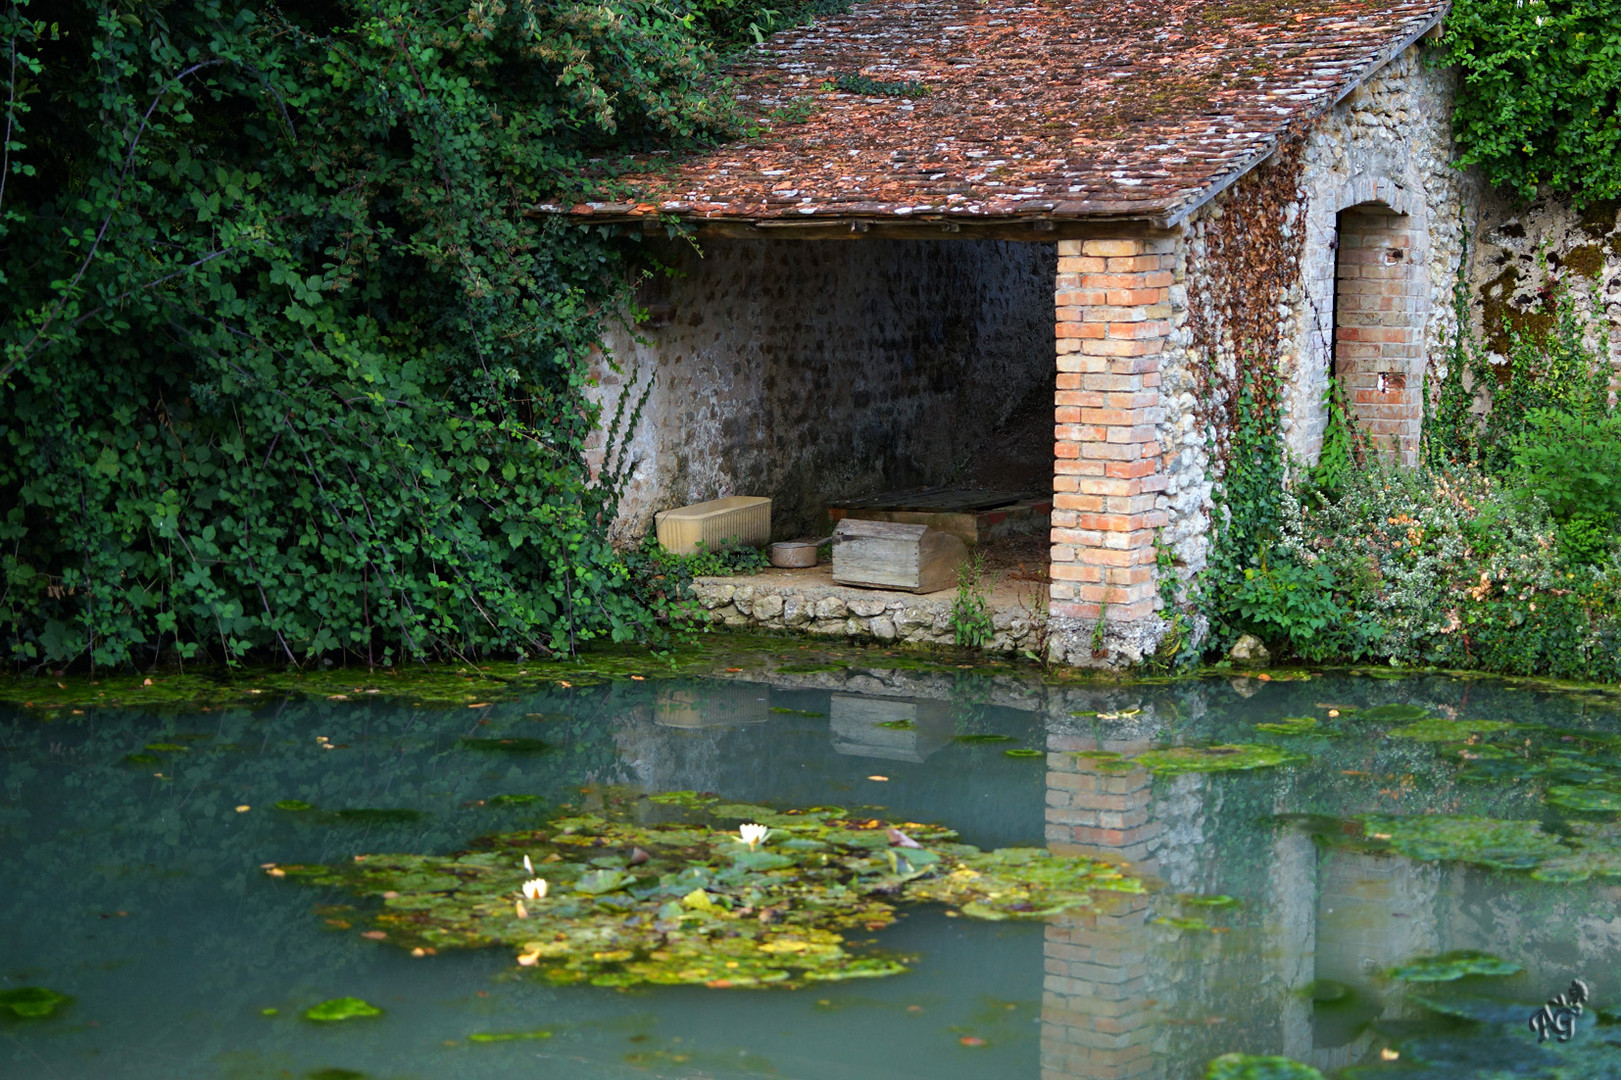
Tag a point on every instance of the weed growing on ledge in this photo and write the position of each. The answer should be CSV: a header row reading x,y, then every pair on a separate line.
x,y
971,610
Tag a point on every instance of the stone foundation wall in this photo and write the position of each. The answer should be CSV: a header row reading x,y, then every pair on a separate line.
x,y
841,611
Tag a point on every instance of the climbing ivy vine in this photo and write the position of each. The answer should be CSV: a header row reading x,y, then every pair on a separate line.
x,y
286,366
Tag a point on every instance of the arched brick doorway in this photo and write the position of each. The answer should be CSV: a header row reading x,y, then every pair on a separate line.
x,y
1380,307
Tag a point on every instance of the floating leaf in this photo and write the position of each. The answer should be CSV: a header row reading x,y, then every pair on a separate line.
x,y
601,882
507,746
1453,965
294,805
1292,725
897,725
344,1008
1503,845
1023,752
379,816
507,1036
1225,758
1251,1067
1392,714
975,739
1584,798
1329,992
1434,729
512,800
688,799
33,1002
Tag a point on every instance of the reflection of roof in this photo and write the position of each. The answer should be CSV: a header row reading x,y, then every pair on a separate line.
x,y
1061,108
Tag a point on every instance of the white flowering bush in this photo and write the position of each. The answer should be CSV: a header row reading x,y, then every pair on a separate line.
x,y
1458,570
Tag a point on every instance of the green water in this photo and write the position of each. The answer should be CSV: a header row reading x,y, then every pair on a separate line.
x,y
135,886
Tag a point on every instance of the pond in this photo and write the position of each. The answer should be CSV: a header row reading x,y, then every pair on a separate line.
x,y
1353,825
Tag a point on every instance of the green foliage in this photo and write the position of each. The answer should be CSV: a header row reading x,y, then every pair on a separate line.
x,y
286,366
1284,601
1572,463
970,609
1342,449
661,581
1539,108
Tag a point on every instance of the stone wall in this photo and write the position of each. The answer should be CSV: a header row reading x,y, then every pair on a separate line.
x,y
808,370
1521,255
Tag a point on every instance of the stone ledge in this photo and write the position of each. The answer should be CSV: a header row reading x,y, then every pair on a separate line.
x,y
808,602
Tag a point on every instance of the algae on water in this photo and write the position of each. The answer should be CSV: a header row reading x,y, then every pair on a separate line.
x,y
1452,966
687,902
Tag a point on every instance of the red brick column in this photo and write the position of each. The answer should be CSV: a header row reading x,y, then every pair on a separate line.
x,y
1113,318
1379,329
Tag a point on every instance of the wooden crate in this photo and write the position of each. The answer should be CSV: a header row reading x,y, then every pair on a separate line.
x,y
745,519
890,555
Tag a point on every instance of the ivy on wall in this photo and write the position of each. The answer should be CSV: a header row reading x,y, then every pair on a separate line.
x,y
285,368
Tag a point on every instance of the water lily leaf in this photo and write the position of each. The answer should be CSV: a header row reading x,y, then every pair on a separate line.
x,y
379,816
1225,758
344,1008
1453,965
687,799
142,759
1292,725
1479,1009
1183,923
897,725
1023,752
1503,845
1251,1067
507,746
294,805
507,1036
983,738
1393,714
1584,798
33,1002
1329,992
1435,729
167,747
761,860
513,800
600,882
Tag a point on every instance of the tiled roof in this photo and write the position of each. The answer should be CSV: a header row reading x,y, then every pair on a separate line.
x,y
1057,108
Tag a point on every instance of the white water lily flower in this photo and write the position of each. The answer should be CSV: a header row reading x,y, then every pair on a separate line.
x,y
535,888
528,867
753,834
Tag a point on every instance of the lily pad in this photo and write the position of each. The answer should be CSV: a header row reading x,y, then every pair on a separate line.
x,y
898,725
388,815
1435,729
513,800
33,1002
294,805
1453,965
1292,725
507,1036
1025,752
1587,799
975,739
702,908
142,759
1252,1067
1500,844
507,746
1225,758
688,799
344,1008
1393,714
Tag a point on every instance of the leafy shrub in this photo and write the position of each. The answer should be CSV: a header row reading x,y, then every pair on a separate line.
x,y
1459,570
1284,601
285,366
661,581
1542,79
1572,463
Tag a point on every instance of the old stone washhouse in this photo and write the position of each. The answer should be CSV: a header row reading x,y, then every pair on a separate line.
x,y
962,207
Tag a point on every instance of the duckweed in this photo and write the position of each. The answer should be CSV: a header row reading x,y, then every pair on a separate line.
x,y
703,908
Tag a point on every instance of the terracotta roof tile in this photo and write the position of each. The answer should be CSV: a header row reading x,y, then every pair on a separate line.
x,y
1062,108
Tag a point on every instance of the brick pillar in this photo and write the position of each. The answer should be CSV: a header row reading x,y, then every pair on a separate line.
x,y
1098,998
1378,329
1113,311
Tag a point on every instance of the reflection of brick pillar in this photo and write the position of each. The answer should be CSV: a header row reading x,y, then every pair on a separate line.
x,y
1113,316
1378,329
1096,1006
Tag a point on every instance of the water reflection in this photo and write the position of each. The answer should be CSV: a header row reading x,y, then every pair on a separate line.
x,y
1296,966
